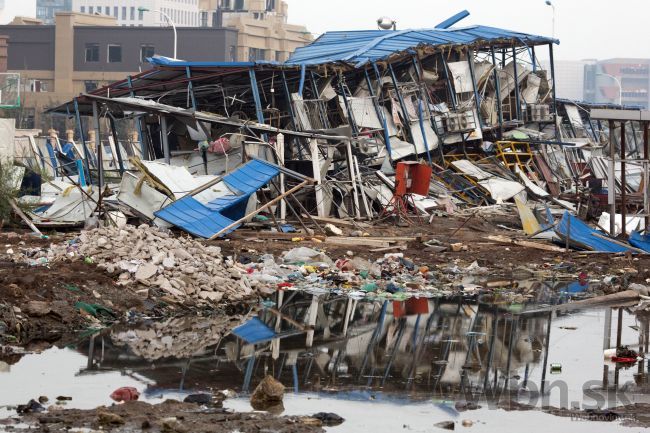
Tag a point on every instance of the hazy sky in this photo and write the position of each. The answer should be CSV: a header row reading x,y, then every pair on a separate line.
x,y
586,29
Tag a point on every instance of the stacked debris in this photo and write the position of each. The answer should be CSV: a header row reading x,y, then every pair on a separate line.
x,y
180,338
181,267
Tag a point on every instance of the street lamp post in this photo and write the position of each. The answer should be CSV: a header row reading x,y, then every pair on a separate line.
x,y
549,3
618,82
169,20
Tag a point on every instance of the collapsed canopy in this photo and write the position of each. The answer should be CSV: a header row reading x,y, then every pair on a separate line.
x,y
362,46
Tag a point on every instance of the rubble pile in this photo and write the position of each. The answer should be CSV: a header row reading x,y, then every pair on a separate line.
x,y
179,266
180,338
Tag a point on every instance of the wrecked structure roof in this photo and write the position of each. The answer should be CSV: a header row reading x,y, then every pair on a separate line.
x,y
363,46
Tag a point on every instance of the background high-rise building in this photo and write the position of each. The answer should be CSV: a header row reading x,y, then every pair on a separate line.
x,y
47,9
264,31
82,52
262,25
184,13
632,74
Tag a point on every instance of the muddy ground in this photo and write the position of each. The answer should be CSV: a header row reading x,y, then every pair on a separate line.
x,y
170,416
499,258
174,416
39,304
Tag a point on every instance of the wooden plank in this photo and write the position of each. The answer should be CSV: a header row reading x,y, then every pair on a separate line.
x,y
362,242
526,244
22,216
338,222
260,209
384,249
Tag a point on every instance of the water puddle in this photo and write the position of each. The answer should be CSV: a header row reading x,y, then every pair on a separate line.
x,y
384,365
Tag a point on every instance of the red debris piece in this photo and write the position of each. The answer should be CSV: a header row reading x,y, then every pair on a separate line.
x,y
125,393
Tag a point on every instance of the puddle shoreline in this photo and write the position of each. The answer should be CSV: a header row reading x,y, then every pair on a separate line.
x,y
332,352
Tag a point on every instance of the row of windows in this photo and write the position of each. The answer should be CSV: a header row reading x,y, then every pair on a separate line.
x,y
106,10
238,5
114,53
255,54
188,18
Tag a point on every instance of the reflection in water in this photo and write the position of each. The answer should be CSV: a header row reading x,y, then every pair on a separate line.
x,y
418,348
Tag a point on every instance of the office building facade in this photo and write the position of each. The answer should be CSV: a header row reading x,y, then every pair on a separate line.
x,y
262,25
46,10
83,52
624,80
183,13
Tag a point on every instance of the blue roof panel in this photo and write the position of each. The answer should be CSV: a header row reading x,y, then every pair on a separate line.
x,y
206,220
254,331
362,46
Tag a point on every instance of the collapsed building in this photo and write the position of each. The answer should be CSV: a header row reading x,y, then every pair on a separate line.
x,y
323,134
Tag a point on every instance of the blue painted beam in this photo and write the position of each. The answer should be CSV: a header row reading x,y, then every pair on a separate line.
x,y
453,20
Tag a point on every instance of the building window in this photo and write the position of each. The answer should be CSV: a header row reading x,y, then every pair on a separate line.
x,y
233,53
116,11
107,10
132,15
92,53
270,5
123,12
140,14
91,10
278,56
255,54
36,86
114,53
82,9
239,5
225,4
146,51
90,86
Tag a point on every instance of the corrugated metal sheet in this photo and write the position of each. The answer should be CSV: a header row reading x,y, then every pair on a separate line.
x,y
194,217
254,331
582,236
363,46
167,61
206,220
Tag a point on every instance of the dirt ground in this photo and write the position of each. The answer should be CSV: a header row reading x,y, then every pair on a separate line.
x,y
39,304
170,416
499,258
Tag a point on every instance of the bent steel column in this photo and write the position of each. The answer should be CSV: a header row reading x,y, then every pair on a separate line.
x,y
83,141
518,102
348,108
552,66
611,180
138,123
477,97
118,151
623,182
190,87
497,86
98,144
380,114
165,139
400,98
